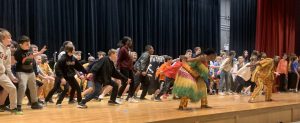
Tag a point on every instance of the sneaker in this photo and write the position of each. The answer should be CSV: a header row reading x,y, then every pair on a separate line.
x,y
4,108
110,102
222,94
132,100
36,105
119,100
142,98
41,101
81,105
51,101
58,105
16,112
72,102
157,99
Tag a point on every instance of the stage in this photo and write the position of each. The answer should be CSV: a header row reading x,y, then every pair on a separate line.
x,y
229,109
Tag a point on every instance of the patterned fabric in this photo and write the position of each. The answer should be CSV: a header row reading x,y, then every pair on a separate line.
x,y
189,81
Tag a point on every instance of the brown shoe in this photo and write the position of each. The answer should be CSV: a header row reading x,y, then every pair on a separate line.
x,y
251,100
205,106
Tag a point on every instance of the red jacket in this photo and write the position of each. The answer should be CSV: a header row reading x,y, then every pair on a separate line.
x,y
171,71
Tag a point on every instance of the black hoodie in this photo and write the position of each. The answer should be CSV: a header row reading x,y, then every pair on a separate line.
x,y
66,66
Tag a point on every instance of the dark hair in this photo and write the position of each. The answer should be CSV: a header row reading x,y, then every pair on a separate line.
x,y
101,53
167,58
2,33
14,44
62,48
188,50
294,58
209,51
148,47
231,53
69,48
125,39
182,57
23,39
197,48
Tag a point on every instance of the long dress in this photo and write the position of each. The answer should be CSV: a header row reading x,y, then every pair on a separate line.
x,y
189,81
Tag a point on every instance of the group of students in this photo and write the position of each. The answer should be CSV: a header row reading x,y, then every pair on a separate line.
x,y
24,70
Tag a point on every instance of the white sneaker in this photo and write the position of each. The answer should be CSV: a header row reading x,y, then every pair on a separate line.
x,y
119,100
222,94
132,100
101,97
58,105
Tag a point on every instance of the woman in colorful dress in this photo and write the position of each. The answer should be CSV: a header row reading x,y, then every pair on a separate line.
x,y
190,82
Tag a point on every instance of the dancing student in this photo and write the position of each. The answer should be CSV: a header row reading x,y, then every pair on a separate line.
x,y
141,66
263,76
125,65
102,72
65,70
226,67
25,72
282,70
6,76
190,81
160,73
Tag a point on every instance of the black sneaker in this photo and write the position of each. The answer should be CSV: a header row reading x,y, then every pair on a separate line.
x,y
143,98
4,108
19,107
72,102
110,102
41,101
157,99
51,101
81,105
16,111
36,105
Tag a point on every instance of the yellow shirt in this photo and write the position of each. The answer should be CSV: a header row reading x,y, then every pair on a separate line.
x,y
45,68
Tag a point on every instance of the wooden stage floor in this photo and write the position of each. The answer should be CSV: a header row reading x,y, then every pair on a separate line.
x,y
145,111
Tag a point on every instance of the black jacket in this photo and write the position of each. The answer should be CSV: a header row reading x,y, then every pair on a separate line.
x,y
142,63
104,69
66,66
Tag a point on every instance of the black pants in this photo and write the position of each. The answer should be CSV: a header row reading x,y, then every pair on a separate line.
x,y
165,87
240,84
282,83
292,80
129,74
55,89
74,87
252,84
144,80
97,88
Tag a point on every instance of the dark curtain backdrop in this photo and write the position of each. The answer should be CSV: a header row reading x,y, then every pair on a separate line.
x,y
171,26
297,10
275,27
242,25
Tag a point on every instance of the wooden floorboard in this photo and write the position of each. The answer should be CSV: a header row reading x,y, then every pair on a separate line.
x,y
145,111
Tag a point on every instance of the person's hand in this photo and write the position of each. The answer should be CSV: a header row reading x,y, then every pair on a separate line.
x,y
14,80
144,73
63,81
43,49
128,81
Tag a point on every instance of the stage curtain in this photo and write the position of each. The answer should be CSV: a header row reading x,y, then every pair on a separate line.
x,y
275,26
171,26
242,25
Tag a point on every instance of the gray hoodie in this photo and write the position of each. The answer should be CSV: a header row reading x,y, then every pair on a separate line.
x,y
5,61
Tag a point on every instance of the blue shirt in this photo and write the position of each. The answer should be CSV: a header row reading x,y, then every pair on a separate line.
x,y
294,66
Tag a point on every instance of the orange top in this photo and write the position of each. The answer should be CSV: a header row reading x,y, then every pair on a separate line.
x,y
282,66
160,70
